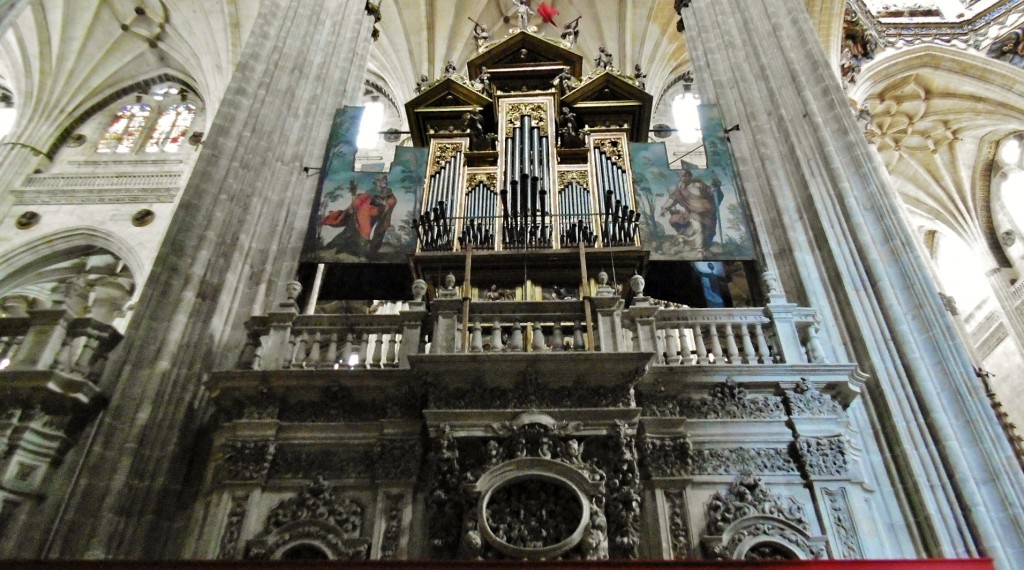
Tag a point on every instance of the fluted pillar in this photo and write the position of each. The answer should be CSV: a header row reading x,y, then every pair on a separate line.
x,y
830,222
231,246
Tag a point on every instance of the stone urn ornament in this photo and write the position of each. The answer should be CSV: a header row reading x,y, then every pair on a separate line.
x,y
636,284
292,290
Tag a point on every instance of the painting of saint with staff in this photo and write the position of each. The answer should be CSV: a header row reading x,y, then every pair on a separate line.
x,y
365,221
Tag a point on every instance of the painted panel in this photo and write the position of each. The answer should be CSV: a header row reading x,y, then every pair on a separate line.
x,y
363,217
691,213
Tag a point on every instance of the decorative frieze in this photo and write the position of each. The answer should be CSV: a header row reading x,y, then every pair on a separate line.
x,y
843,528
302,462
822,456
397,459
807,401
666,457
726,401
246,460
530,392
341,405
733,460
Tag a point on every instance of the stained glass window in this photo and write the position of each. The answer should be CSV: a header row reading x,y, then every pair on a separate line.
x,y
125,129
170,128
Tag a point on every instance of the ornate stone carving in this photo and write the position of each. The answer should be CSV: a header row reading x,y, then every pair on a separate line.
x,y
845,531
666,457
246,460
807,401
530,393
1008,238
319,501
316,514
727,401
822,456
729,461
949,303
304,463
341,405
677,526
444,502
536,111
391,541
749,497
397,459
233,529
784,542
623,495
533,513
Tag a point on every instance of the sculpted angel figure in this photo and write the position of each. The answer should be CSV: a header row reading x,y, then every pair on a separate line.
x,y
522,11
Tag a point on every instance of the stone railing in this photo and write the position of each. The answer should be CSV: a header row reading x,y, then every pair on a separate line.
x,y
159,187
286,340
687,336
508,326
153,180
1017,292
55,340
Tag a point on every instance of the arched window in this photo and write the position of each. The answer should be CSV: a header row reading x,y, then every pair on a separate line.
x,y
169,131
126,127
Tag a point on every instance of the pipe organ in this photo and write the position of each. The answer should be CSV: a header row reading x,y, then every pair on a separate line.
x,y
525,163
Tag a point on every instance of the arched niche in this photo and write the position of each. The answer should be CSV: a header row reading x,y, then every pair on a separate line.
x,y
93,271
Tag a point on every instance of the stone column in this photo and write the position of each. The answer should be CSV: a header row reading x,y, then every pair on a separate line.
x,y
237,231
834,227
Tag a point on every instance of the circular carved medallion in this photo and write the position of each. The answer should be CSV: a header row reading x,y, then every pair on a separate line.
x,y
534,516
27,219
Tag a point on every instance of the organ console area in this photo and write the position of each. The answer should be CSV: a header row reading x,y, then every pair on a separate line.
x,y
528,156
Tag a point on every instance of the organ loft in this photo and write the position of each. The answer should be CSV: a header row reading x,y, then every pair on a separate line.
x,y
534,400
541,330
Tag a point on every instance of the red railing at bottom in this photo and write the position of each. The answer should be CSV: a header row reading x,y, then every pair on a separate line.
x,y
934,564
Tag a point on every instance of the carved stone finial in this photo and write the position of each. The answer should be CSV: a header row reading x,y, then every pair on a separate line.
x,y
292,290
636,284
603,288
448,289
419,290
949,303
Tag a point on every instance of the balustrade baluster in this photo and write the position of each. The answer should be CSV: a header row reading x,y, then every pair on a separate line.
x,y
557,338
698,339
257,357
764,355
346,350
332,351
363,356
496,344
577,337
716,343
538,344
476,340
392,355
730,345
815,353
684,345
515,343
376,352
672,347
248,355
749,356
313,360
61,360
83,363
293,349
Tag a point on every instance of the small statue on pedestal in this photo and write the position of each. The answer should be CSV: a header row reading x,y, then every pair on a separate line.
x,y
480,33
603,59
522,11
571,32
449,68
483,81
422,83
568,129
639,76
565,82
448,289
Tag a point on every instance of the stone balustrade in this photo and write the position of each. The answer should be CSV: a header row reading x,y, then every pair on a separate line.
x,y
56,340
286,340
776,334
